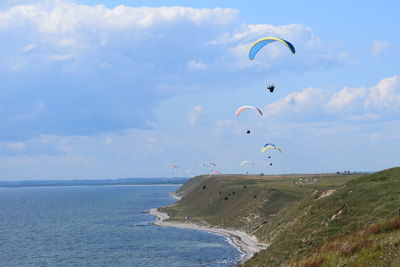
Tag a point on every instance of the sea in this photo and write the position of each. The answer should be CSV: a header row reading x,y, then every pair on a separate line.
x,y
100,226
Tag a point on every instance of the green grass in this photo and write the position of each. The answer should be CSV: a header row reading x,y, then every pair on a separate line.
x,y
376,245
357,204
298,220
244,202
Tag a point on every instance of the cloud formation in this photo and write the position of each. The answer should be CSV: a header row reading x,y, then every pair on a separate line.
x,y
379,101
345,99
385,95
75,69
299,103
311,51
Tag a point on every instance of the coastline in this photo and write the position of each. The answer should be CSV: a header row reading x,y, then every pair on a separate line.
x,y
246,244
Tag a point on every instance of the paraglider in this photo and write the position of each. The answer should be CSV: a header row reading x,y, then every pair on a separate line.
x,y
173,167
271,87
246,162
214,173
267,146
243,108
260,43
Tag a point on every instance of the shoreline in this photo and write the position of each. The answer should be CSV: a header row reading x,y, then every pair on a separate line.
x,y
246,244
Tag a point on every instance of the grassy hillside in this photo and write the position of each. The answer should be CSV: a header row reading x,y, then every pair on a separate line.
x,y
376,245
312,220
245,201
357,204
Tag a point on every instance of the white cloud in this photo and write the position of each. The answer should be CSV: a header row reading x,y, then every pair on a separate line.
x,y
65,30
345,98
194,114
297,103
195,65
378,46
354,104
131,59
63,17
385,95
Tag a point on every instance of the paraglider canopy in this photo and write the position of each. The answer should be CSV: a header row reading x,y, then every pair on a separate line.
x,y
260,43
246,162
267,146
243,108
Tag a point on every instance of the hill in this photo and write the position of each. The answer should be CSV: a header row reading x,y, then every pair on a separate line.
x,y
294,215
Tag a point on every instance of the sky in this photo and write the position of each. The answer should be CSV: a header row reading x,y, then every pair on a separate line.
x,y
112,89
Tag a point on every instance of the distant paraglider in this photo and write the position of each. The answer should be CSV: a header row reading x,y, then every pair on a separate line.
x,y
269,146
246,162
173,167
271,87
214,173
260,43
243,108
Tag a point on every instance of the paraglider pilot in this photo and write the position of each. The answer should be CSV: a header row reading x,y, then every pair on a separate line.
x,y
271,87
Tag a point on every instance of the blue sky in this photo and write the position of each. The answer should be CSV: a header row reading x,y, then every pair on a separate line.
x,y
106,89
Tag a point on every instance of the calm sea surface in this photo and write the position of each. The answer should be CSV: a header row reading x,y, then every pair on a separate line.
x,y
100,226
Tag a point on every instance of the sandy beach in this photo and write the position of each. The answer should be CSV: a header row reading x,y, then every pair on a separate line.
x,y
245,243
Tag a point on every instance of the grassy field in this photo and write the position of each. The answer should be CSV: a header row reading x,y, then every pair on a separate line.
x,y
376,245
246,202
297,215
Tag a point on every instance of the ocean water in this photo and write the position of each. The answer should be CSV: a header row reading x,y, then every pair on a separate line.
x,y
100,226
